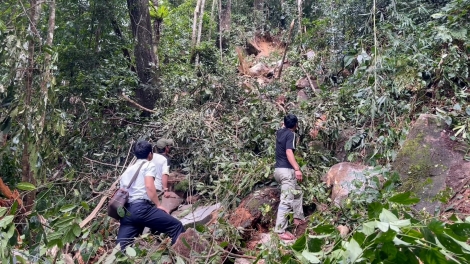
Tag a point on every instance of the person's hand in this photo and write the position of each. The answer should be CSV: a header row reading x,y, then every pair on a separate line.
x,y
163,208
298,175
166,194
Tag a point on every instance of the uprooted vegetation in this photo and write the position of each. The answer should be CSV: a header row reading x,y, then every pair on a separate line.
x,y
356,88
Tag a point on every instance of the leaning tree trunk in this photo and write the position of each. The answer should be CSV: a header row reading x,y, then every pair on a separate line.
x,y
143,52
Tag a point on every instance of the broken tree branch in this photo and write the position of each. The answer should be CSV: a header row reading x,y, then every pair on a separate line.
x,y
308,79
136,104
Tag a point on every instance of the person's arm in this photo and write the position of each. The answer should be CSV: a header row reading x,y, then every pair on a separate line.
x,y
165,185
290,145
293,162
165,173
152,192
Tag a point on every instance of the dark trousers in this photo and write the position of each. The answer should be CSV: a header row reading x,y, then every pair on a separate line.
x,y
145,214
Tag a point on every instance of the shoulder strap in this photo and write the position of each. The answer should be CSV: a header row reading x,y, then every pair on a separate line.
x,y
135,175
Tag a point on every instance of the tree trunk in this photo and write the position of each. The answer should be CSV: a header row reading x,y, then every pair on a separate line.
x,y
144,56
47,62
299,9
225,20
220,27
27,174
199,30
195,18
201,15
212,19
226,13
156,31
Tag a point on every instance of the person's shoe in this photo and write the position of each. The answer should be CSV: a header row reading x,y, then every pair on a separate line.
x,y
286,236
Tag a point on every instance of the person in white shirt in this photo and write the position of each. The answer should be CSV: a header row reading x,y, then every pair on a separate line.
x,y
144,209
162,164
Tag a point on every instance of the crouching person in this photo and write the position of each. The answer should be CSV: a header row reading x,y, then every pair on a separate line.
x,y
144,209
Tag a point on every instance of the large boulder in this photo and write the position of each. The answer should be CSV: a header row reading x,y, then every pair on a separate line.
x,y
344,178
172,202
258,69
429,162
249,213
200,215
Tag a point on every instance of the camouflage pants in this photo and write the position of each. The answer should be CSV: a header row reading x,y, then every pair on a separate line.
x,y
291,198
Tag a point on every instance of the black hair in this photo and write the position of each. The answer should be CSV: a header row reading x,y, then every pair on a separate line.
x,y
290,121
142,149
160,150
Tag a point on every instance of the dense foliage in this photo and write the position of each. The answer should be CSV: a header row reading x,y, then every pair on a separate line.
x,y
67,125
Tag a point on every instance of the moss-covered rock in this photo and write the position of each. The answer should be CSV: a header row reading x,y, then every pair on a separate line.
x,y
427,160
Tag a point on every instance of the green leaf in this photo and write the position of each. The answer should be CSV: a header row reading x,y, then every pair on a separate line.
x,y
359,237
315,244
310,257
67,208
390,250
85,205
300,243
354,250
449,243
374,209
69,236
396,225
369,228
286,258
64,221
387,236
411,257
461,229
387,216
25,186
5,221
404,198
428,235
436,226
55,242
14,207
432,256
121,212
76,229
324,229
223,244
3,211
131,252
467,110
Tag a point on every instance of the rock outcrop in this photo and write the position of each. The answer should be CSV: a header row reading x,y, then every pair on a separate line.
x,y
430,163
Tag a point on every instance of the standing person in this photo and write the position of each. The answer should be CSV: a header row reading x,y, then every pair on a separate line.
x,y
144,209
162,164
287,173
